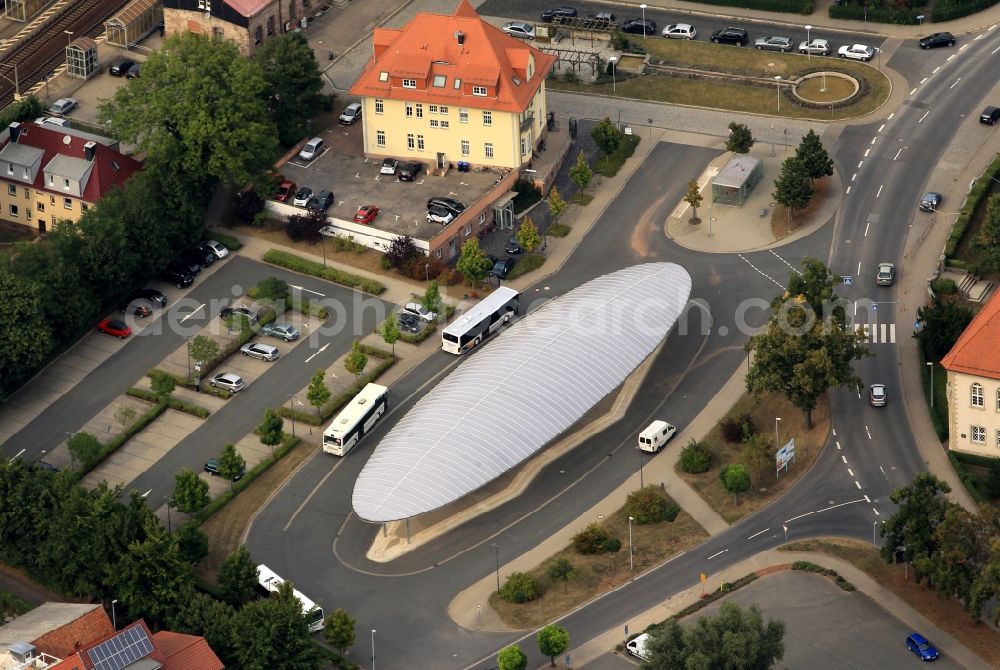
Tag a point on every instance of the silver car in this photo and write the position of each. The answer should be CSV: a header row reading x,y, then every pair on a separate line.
x,y
877,395
774,43
886,274
264,352
285,331
519,29
816,47
63,106
312,149
227,381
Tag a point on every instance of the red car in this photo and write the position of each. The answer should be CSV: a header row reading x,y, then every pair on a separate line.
x,y
366,214
286,190
114,327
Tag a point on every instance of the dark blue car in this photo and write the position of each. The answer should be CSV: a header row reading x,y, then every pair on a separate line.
x,y
922,647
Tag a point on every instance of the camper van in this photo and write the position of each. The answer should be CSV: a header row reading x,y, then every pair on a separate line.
x,y
655,436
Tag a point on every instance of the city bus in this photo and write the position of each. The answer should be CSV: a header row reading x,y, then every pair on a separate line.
x,y
468,330
269,582
356,419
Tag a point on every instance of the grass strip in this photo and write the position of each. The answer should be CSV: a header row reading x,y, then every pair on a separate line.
x,y
295,263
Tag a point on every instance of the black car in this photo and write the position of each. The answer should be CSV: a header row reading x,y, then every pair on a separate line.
x,y
565,12
502,268
990,115
133,72
212,467
453,206
120,67
153,296
409,171
185,265
937,40
639,27
199,256
730,35
513,247
320,202
178,278
409,323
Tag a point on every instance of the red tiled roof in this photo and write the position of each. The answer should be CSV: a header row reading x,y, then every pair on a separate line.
x,y
977,351
249,8
428,46
111,168
186,652
80,660
62,641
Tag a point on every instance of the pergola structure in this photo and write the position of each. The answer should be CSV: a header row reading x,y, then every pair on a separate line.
x,y
573,58
136,20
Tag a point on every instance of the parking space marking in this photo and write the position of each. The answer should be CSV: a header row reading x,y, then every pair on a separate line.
x,y
913,90
848,191
924,80
924,116
897,153
956,83
935,70
881,127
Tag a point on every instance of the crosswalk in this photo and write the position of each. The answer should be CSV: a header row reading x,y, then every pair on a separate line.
x,y
878,333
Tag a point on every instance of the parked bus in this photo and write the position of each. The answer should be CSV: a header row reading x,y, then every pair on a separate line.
x,y
269,582
470,329
356,419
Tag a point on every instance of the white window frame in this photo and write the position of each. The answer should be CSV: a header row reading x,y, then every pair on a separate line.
x,y
434,123
420,142
488,149
479,91
976,396
442,109
410,144
465,147
432,109
409,83
380,138
408,110
463,115
379,106
420,111
978,435
487,118
444,124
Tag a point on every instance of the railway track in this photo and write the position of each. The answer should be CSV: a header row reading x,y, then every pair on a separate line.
x,y
46,49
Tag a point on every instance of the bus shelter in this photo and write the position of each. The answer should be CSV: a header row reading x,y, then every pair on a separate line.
x,y
81,58
736,180
135,21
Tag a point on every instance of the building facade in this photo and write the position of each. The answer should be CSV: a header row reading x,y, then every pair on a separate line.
x,y
449,89
973,366
246,22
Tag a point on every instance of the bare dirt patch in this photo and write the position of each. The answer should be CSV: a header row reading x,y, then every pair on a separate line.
x,y
782,226
764,486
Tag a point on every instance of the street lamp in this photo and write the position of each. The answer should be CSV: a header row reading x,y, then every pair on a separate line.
x,y
114,619
643,8
496,550
777,442
930,364
874,541
613,60
373,649
291,406
808,45
69,37
630,565
642,484
777,79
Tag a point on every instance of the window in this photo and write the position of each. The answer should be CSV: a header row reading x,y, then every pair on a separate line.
x,y
409,83
11,189
458,84
409,109
440,80
438,253
465,147
434,123
487,118
420,111
27,193
979,435
10,168
977,396
479,90
84,207
998,432
444,124
379,105
420,142
52,200
13,211
66,183
432,109
27,213
489,149
217,33
26,173
468,229
40,206
524,147
463,115
52,182
67,203
383,76
205,4
380,138
442,109
258,35
409,141
270,25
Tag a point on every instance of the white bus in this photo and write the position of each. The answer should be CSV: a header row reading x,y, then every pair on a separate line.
x,y
468,330
356,419
269,582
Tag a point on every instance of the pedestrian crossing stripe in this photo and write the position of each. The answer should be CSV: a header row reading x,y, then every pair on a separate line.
x,y
877,333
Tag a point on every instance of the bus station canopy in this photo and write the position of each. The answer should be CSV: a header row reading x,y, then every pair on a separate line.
x,y
524,388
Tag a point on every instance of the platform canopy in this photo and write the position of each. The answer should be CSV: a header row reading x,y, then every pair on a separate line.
x,y
524,388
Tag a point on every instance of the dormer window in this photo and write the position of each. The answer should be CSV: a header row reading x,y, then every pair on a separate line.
x,y
440,80
479,90
458,84
409,83
383,76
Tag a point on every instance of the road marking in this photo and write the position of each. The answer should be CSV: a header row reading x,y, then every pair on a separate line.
x,y
146,494
793,268
857,484
848,192
953,55
962,48
859,268
756,534
837,442
873,140
881,186
935,70
923,80
299,288
860,163
897,153
867,151
761,272
994,51
880,128
854,176
876,512
883,472
867,499
979,37
193,312
866,228
320,483
956,83
794,518
834,431
850,472
924,116
868,434
843,458
717,554
889,118
318,352
14,458
913,90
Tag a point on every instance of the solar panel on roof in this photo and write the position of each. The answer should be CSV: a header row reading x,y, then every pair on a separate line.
x,y
124,649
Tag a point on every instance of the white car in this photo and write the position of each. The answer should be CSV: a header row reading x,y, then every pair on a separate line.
x,y
63,106
637,647
680,31
302,196
389,166
815,47
217,248
519,29
52,121
860,52
419,311
440,215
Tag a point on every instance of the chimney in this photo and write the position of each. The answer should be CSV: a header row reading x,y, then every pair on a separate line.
x,y
15,131
88,150
460,36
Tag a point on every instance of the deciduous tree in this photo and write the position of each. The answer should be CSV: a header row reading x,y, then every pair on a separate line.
x,y
85,448
757,453
274,634
238,577
921,508
190,491
153,576
552,641
527,235
317,394
204,349
561,570
813,157
401,251
293,84
473,262
231,464
25,336
271,429
192,542
556,204
273,290
735,479
355,361
431,299
793,188
693,198
338,629
162,383
390,331
125,415
580,173
740,138
512,657
607,136
942,323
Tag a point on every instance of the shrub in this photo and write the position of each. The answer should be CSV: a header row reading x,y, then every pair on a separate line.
x,y
944,286
306,266
671,511
646,505
612,545
305,228
696,458
520,587
591,539
736,429
246,206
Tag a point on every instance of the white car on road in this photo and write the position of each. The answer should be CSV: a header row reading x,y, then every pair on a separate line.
x,y
860,52
680,31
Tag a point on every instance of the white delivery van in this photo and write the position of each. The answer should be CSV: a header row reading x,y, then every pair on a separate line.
x,y
637,647
655,436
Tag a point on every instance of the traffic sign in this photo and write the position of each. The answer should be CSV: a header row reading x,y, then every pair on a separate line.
x,y
848,280
874,306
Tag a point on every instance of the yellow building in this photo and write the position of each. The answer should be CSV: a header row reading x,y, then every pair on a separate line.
x,y
450,89
973,366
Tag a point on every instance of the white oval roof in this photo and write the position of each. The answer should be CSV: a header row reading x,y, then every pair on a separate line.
x,y
528,385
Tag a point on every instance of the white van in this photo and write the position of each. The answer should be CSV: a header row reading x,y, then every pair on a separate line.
x,y
312,149
655,436
637,647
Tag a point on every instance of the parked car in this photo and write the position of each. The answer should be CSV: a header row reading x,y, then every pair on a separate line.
x,y
264,352
184,265
202,257
502,268
861,52
227,381
930,202
638,646
519,29
639,27
680,31
885,275
566,12
453,206
282,330
816,47
602,17
409,171
513,246
350,114
773,43
921,646
178,278
286,190
212,468
156,298
366,214
730,35
302,196
436,214
135,307
240,310
120,66
876,395
218,248
409,323
990,115
389,166
419,311
63,106
320,202
312,149
114,327
936,40
53,121
134,71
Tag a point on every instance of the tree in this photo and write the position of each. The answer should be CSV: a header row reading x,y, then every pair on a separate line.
x,y
390,331
248,204
125,415
204,349
401,251
201,614
306,227
431,299
942,323
25,337
740,138
556,204
293,84
607,136
85,448
274,634
815,285
317,394
519,587
356,361
561,570
527,235
735,479
190,491
198,110
473,262
153,576
921,507
238,577
987,242
646,505
757,453
271,429
987,584
793,188
813,157
162,383
338,629
512,657
580,173
274,291
552,641
962,553
192,543
734,638
231,464
693,198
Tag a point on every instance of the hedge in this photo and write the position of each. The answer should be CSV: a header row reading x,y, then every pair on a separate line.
x,y
975,459
806,566
788,6
306,307
116,442
305,266
172,403
228,241
977,194
957,11
967,482
905,16
183,381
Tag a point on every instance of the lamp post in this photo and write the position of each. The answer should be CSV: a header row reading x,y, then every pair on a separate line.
x,y
777,442
613,60
373,649
496,550
69,37
777,79
114,619
642,484
808,45
630,564
874,541
170,526
643,8
772,140
930,364
291,406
